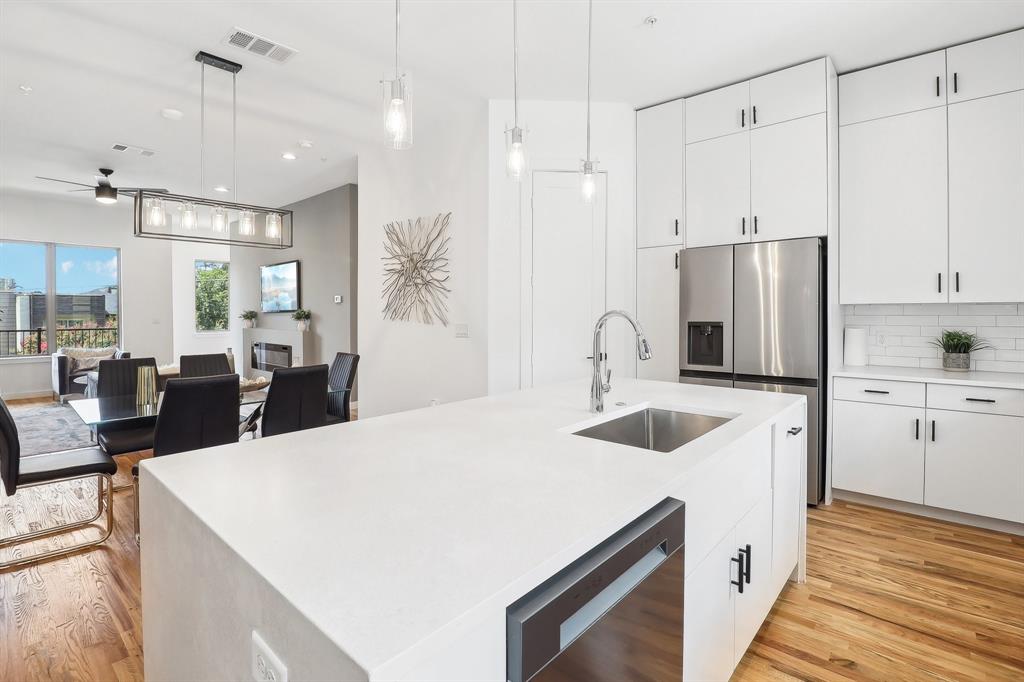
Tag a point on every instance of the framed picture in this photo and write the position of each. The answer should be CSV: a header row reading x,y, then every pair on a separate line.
x,y
279,287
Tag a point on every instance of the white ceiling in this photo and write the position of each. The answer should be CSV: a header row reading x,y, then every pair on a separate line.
x,y
102,71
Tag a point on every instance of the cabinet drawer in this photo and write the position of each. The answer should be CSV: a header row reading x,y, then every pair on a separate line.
x,y
883,392
1006,401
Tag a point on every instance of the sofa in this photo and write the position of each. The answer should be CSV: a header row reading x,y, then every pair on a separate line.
x,y
68,364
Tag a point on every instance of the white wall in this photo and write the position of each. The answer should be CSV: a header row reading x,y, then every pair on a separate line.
x,y
405,365
556,140
188,341
146,314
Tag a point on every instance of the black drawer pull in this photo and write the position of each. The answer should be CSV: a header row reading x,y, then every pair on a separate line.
x,y
754,112
677,260
749,560
795,430
739,574
933,430
940,282
917,429
874,390
743,118
677,227
743,224
980,400
958,282
755,224
955,86
937,86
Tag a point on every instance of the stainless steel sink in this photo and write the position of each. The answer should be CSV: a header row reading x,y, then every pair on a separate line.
x,y
654,429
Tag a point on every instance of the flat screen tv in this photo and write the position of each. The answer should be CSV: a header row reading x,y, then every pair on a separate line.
x,y
279,287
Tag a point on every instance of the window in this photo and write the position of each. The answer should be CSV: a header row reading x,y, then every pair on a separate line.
x,y
212,298
57,296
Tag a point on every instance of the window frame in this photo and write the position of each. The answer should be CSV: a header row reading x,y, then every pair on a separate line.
x,y
195,286
50,261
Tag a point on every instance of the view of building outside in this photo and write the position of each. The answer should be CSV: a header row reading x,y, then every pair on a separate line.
x,y
84,303
212,300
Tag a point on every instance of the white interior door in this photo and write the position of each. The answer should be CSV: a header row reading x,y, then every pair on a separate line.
x,y
568,293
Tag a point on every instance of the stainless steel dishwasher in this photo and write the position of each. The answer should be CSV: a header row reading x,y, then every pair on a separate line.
x,y
615,614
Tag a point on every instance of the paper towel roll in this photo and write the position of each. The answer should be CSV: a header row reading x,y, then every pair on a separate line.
x,y
855,346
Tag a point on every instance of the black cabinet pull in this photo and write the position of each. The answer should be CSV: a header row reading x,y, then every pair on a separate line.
x,y
748,561
743,118
955,88
957,283
937,86
677,227
754,112
743,223
755,224
739,573
917,429
795,430
940,282
677,260
933,430
875,390
980,400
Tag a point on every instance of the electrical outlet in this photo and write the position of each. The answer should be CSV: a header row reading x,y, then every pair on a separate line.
x,y
338,299
266,666
461,331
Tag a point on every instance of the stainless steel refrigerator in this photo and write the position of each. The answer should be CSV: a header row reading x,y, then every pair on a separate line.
x,y
752,316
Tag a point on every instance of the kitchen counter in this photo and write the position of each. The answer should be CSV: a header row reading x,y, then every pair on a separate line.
x,y
386,533
934,376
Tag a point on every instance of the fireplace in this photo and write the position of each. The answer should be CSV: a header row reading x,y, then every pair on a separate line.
x,y
270,356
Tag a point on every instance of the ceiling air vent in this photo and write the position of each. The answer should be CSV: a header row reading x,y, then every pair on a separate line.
x,y
259,45
141,151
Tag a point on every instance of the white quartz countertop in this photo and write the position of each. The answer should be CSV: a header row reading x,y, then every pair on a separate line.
x,y
935,376
383,531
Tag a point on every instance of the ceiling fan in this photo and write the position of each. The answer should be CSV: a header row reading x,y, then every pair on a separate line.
x,y
105,192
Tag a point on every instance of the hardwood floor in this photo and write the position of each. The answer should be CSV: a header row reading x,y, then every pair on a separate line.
x,y
889,597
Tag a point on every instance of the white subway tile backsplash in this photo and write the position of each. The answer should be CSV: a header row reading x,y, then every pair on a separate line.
x,y
901,335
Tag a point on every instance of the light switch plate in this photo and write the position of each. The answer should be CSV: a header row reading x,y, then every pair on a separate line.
x,y
266,666
461,331
338,299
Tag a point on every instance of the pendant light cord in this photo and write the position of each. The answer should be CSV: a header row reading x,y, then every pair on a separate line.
x,y
590,31
202,129
398,21
234,137
515,64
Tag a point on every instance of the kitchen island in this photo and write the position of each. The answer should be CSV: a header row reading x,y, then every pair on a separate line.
x,y
389,548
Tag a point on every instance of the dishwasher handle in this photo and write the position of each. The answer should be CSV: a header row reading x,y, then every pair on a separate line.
x,y
548,619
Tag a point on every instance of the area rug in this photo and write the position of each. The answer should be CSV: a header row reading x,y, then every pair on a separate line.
x,y
48,427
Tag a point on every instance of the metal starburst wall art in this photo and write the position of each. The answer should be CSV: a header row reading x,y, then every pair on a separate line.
x,y
416,270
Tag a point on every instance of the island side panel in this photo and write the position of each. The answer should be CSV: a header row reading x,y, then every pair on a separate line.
x,y
201,603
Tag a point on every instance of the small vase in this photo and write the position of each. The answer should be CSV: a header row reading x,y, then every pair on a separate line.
x,y
248,324
956,362
303,325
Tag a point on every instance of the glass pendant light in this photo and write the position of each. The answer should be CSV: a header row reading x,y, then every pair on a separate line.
x,y
219,219
155,214
515,140
246,223
588,179
273,228
397,101
189,218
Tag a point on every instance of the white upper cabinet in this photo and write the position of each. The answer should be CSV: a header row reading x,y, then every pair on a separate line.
x,y
986,199
718,191
719,112
986,67
657,310
788,179
791,93
659,175
895,88
893,210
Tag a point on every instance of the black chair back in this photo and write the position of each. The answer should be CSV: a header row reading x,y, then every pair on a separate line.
x,y
343,375
210,365
197,413
10,450
120,377
296,400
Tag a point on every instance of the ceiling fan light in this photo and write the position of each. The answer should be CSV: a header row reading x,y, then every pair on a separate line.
x,y
273,229
105,194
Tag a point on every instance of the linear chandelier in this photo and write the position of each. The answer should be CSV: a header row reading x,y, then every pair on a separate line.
x,y
198,219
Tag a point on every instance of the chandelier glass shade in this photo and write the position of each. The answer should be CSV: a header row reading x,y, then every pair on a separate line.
x,y
194,219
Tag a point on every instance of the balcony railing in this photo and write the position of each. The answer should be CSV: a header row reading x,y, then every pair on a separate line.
x,y
27,342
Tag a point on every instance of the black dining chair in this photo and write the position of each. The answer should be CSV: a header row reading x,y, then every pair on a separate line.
x,y
196,413
19,472
208,365
120,378
296,400
342,376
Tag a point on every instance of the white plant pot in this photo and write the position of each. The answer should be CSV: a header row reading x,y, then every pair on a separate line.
x,y
248,324
303,325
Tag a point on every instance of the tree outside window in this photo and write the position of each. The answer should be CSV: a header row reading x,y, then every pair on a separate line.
x,y
212,297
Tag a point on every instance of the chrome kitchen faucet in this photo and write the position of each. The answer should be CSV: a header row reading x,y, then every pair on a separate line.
x,y
602,382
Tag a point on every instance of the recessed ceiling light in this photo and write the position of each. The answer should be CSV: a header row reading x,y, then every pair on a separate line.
x,y
288,156
306,144
25,89
172,114
651,21
221,188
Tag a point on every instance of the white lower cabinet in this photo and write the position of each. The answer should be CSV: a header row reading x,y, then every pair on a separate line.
x,y
975,464
657,310
878,449
754,542
708,653
788,495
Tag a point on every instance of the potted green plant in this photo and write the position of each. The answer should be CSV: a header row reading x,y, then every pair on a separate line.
x,y
248,319
302,317
957,347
